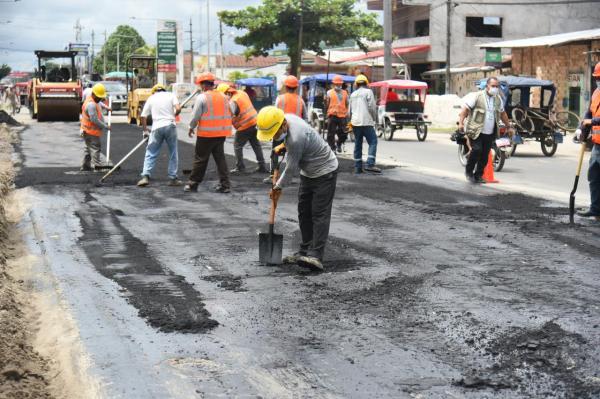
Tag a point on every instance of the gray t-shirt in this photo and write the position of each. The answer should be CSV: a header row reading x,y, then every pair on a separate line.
x,y
306,151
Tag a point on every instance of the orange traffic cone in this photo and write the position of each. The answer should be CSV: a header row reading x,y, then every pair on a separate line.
x,y
488,172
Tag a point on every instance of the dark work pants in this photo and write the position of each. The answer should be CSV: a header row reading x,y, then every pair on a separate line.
x,y
480,151
205,146
336,125
594,180
240,140
315,198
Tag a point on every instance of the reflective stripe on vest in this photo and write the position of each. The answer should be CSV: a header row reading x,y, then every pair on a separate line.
x,y
595,110
337,107
247,113
290,103
216,120
86,123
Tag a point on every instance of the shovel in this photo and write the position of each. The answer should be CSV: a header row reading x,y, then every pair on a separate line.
x,y
270,245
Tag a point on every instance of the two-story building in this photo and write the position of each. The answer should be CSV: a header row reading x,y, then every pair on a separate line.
x,y
424,22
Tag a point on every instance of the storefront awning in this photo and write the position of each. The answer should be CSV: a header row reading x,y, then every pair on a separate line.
x,y
395,51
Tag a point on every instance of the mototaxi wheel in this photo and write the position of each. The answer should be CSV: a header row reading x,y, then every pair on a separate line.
x,y
549,145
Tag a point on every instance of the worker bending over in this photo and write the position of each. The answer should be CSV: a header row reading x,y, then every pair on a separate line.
x,y
211,119
244,121
164,107
91,127
310,154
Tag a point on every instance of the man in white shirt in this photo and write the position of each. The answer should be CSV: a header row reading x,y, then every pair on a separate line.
x,y
164,107
363,114
482,111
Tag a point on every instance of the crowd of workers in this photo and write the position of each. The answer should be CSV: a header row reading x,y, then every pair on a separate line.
x,y
218,109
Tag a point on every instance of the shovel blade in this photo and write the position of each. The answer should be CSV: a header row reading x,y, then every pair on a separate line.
x,y
270,248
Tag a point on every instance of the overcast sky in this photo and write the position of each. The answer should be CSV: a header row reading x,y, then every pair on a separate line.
x,y
49,25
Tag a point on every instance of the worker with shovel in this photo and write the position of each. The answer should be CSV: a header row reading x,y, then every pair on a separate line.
x,y
164,107
591,124
307,152
92,125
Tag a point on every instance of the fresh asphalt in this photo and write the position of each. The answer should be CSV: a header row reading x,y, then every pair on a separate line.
x,y
433,288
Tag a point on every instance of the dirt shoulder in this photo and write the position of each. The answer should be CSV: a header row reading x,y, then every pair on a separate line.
x,y
23,372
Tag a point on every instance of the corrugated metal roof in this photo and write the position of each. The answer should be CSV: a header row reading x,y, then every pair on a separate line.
x,y
552,40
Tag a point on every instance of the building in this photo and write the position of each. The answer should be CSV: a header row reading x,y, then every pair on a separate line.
x,y
423,22
567,59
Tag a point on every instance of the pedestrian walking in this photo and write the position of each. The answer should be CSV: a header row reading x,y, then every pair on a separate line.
x,y
483,111
308,153
363,114
13,99
211,122
591,123
163,107
290,102
87,91
91,126
336,104
244,121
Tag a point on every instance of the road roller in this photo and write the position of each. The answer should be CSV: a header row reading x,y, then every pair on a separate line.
x,y
55,91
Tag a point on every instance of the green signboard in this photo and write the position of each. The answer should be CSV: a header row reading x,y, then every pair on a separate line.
x,y
166,51
493,57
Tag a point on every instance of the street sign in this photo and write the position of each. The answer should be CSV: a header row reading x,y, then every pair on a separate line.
x,y
81,48
493,57
166,48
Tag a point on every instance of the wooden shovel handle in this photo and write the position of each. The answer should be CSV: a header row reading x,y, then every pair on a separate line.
x,y
274,200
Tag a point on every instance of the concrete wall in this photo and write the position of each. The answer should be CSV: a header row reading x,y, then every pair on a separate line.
x,y
443,110
518,22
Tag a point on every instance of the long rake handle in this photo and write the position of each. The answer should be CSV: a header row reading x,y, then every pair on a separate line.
x,y
110,172
109,128
273,202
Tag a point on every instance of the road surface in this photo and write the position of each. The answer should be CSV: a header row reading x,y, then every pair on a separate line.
x,y
433,288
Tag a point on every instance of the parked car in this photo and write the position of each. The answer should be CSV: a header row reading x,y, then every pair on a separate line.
x,y
400,103
117,92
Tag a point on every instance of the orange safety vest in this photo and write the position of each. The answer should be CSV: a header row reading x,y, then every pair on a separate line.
x,y
336,107
87,125
595,110
290,103
216,120
246,117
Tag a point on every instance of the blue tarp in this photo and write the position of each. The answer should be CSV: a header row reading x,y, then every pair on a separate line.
x,y
257,82
322,77
518,81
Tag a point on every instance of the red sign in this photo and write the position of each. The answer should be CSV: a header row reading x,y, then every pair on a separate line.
x,y
167,68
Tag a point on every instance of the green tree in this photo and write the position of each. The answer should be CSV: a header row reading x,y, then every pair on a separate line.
x,y
127,39
146,50
4,70
235,75
324,22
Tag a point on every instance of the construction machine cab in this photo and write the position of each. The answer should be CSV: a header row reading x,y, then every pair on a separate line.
x,y
140,78
56,66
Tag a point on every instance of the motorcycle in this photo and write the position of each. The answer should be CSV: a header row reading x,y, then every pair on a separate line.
x,y
503,148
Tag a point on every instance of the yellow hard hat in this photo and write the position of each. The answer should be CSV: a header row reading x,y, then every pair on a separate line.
x,y
268,122
99,90
361,79
223,87
157,87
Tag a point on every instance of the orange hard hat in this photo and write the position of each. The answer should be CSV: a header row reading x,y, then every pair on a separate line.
x,y
596,73
205,77
337,80
291,81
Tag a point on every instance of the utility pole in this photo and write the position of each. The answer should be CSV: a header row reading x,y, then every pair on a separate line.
x,y
300,32
118,51
387,39
221,43
104,53
191,52
78,29
448,44
208,35
92,54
